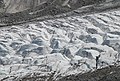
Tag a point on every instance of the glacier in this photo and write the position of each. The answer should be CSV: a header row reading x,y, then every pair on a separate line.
x,y
67,45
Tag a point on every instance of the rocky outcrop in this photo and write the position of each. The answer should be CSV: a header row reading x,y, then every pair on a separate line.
x,y
12,6
106,74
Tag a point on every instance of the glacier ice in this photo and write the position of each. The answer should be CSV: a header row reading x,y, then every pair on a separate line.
x,y
69,45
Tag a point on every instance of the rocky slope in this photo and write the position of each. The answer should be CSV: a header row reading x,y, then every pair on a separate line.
x,y
110,73
22,12
12,6
106,74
